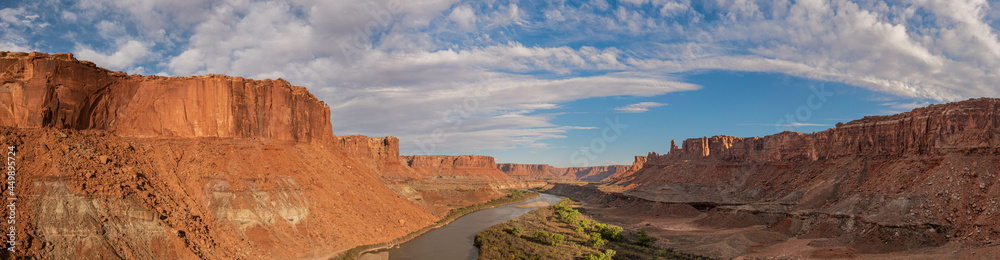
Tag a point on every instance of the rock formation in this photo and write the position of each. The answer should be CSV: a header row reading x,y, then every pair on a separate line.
x,y
114,166
595,173
547,172
878,184
531,171
463,166
967,125
42,90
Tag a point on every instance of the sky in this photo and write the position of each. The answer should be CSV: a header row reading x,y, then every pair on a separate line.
x,y
566,83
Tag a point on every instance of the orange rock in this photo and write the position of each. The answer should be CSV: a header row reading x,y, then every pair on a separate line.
x,y
42,90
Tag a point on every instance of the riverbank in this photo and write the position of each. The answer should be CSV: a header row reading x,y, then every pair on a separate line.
x,y
561,232
515,196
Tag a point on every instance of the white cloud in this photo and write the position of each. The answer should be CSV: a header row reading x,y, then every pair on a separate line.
x,y
7,45
68,16
900,107
128,54
464,16
16,17
794,124
406,63
672,8
906,106
110,30
640,107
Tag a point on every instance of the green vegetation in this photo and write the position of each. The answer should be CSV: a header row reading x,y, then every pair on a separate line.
x,y
606,255
513,196
561,232
516,231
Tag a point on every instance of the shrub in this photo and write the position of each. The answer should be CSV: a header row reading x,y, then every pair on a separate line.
x,y
596,240
646,240
607,255
556,239
611,232
542,237
516,230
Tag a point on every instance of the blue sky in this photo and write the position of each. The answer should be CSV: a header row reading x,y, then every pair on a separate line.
x,y
539,81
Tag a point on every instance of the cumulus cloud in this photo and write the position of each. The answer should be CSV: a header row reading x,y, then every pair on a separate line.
x,y
128,54
407,68
464,16
640,107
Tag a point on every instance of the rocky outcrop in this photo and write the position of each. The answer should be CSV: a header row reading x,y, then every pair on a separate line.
x,y
94,194
117,166
41,90
925,174
462,166
385,149
381,154
531,171
547,172
595,173
967,125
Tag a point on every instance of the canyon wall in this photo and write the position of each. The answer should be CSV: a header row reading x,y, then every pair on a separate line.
x,y
117,166
595,173
42,90
462,166
531,171
547,172
966,125
878,184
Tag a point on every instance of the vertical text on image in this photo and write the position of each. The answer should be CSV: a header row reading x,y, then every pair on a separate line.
x,y
11,198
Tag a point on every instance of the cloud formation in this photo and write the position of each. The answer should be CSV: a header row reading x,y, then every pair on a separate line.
x,y
639,107
493,74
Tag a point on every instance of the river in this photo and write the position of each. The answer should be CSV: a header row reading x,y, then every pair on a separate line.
x,y
456,240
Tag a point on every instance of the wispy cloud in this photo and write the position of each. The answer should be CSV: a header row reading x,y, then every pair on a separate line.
x,y
639,107
418,66
796,124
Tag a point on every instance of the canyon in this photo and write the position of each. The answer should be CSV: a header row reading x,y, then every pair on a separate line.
x,y
919,181
113,165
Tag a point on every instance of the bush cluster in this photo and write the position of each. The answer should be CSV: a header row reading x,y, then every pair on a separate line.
x,y
552,239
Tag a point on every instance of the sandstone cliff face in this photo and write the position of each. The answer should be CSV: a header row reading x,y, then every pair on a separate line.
x,y
531,171
381,154
595,173
41,90
89,193
547,172
98,179
378,149
923,175
966,125
463,166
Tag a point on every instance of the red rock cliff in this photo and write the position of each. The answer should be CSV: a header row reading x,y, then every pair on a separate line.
x,y
934,166
971,124
530,171
462,166
59,91
547,172
595,173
